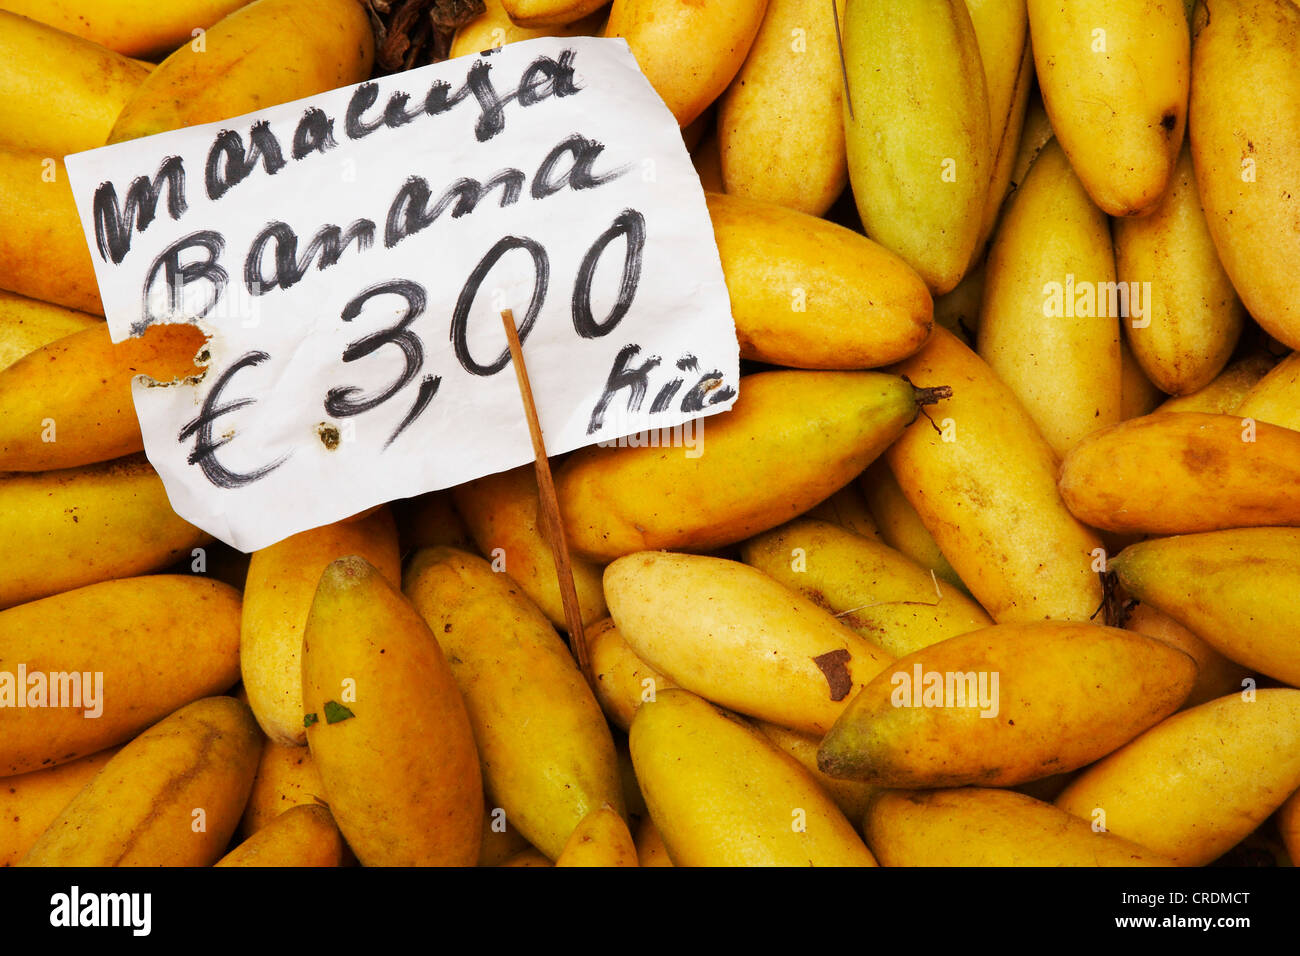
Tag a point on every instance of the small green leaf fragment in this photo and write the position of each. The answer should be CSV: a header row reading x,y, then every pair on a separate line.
x,y
309,719
336,712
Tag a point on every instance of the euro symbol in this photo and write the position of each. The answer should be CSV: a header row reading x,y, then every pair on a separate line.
x,y
205,449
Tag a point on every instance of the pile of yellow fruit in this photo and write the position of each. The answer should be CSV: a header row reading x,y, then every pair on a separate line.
x,y
1029,594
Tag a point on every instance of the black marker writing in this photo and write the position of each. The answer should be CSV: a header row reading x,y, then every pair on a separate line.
x,y
230,164
629,224
579,174
687,363
343,401
329,244
204,453
410,211
544,78
315,133
621,376
460,317
708,390
113,223
178,274
710,386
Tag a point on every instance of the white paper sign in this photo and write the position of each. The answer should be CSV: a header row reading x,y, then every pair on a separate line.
x,y
350,254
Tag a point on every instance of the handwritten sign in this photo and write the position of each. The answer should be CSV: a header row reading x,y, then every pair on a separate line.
x,y
349,256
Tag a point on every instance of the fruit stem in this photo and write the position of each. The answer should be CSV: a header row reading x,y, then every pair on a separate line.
x,y
1113,609
928,396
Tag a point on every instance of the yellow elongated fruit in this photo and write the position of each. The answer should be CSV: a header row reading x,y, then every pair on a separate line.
x,y
132,27
1049,322
69,402
600,839
807,293
387,727
1216,675
547,754
239,68
494,28
278,594
985,487
792,438
70,688
623,681
504,516
885,597
650,849
1227,587
27,324
900,526
1002,32
534,13
728,632
848,509
301,836
722,795
1215,472
1138,395
850,796
1225,394
1197,783
1243,145
779,123
1192,315
920,186
141,809
43,253
1114,78
974,826
43,66
688,50
1005,705
30,802
1275,398
286,777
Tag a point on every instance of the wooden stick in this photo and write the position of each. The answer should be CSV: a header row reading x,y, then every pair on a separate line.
x,y
550,505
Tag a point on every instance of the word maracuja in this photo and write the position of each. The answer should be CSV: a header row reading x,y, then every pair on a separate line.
x,y
230,161
73,689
